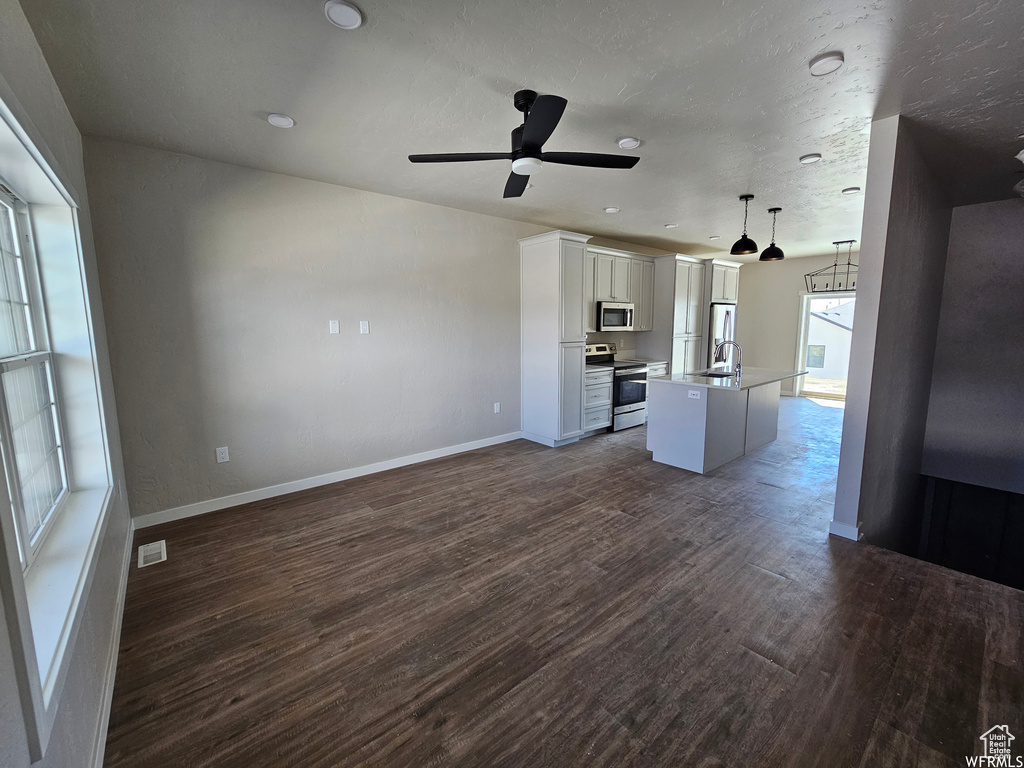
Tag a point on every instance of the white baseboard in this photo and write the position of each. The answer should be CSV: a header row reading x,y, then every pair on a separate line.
x,y
108,683
845,530
548,441
234,500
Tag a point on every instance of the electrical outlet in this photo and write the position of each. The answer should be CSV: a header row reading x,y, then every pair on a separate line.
x,y
695,394
364,326
222,455
497,407
334,327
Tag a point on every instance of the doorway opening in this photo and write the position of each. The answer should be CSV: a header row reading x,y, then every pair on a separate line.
x,y
826,330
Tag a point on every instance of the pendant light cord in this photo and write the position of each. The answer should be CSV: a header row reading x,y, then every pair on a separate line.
x,y
774,214
746,207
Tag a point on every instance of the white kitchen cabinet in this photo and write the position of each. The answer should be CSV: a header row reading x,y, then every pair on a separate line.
x,y
612,277
685,354
620,279
597,400
645,310
571,281
695,300
553,326
572,361
589,292
678,313
641,281
725,281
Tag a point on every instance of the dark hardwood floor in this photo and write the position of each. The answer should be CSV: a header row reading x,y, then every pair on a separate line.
x,y
581,606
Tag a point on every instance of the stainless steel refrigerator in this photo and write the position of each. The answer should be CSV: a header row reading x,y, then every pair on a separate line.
x,y
722,328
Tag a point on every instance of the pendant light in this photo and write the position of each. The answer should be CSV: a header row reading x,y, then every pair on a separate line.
x,y
772,252
744,245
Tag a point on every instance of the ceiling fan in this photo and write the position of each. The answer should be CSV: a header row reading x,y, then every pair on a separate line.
x,y
541,116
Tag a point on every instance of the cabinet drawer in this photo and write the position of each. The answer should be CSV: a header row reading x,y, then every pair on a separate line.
x,y
599,377
598,394
595,418
657,370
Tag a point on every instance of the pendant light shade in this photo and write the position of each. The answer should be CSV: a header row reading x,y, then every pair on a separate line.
x,y
744,245
772,252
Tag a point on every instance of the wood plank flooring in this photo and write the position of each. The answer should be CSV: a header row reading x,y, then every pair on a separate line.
x,y
582,606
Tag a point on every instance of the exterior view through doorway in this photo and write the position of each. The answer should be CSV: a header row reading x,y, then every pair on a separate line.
x,y
823,349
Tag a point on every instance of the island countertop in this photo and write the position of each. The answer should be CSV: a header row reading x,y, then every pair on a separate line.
x,y
752,377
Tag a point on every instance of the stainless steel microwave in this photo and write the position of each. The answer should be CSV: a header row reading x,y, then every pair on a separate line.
x,y
614,316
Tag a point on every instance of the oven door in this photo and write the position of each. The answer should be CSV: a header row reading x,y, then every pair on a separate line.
x,y
629,389
615,316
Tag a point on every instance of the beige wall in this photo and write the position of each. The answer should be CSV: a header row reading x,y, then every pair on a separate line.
x,y
219,283
769,311
28,89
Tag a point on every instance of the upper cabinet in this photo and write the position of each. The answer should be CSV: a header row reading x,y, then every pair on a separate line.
x,y
612,277
571,320
645,300
618,276
725,281
590,291
687,313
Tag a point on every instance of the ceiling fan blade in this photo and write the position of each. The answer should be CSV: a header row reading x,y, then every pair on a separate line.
x,y
460,157
516,185
542,121
590,159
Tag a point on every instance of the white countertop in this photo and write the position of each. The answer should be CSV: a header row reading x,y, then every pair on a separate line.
x,y
752,377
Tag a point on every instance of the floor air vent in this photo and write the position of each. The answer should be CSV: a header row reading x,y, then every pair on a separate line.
x,y
149,554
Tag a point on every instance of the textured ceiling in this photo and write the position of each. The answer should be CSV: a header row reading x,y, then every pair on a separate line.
x,y
719,92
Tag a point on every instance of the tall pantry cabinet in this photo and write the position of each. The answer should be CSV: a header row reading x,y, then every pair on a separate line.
x,y
679,314
553,336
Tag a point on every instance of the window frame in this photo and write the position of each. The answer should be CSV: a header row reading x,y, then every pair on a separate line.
x,y
41,353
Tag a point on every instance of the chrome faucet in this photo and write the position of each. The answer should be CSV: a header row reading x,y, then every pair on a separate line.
x,y
720,355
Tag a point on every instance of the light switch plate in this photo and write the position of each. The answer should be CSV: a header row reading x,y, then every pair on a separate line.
x,y
695,394
334,327
364,326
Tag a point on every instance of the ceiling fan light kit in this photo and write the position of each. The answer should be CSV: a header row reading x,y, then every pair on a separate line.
x,y
540,118
772,252
744,245
526,166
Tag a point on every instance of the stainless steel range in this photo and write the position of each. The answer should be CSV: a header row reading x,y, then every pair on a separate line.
x,y
629,387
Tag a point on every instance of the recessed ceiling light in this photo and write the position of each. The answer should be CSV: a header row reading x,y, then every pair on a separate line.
x,y
671,226
342,14
611,209
715,237
629,142
278,120
851,190
811,158
826,63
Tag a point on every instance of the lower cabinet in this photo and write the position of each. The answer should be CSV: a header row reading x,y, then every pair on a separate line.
x,y
572,361
686,354
597,400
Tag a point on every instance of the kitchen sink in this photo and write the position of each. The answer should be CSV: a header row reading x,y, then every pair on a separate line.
x,y
716,374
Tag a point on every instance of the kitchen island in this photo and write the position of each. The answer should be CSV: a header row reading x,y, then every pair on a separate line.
x,y
699,422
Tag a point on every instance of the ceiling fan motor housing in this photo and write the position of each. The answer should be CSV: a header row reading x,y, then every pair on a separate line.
x,y
524,99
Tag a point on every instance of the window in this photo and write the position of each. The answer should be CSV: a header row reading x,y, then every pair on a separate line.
x,y
30,434
815,355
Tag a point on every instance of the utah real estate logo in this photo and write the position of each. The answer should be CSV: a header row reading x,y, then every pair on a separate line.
x,y
998,750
